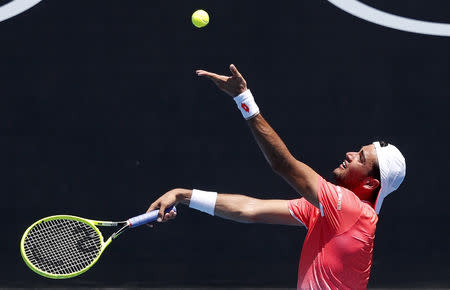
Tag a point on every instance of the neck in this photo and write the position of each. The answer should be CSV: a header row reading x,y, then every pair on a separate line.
x,y
363,194
366,196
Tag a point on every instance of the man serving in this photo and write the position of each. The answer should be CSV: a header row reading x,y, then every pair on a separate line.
x,y
340,218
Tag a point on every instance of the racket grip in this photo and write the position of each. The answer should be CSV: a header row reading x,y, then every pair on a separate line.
x,y
147,217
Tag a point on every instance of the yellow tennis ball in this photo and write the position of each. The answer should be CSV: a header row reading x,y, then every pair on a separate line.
x,y
200,18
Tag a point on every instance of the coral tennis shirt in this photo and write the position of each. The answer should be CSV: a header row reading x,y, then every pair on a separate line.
x,y
337,252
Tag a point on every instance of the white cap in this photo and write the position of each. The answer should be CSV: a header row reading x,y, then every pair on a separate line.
x,y
392,171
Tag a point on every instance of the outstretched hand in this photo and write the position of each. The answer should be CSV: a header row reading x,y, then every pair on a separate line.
x,y
232,85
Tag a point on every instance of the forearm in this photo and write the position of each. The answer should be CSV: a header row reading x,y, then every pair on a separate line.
x,y
237,207
299,175
273,148
228,206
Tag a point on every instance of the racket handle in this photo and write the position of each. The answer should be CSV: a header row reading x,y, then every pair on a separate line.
x,y
147,217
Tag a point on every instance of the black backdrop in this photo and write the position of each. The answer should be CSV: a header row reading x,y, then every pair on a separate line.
x,y
101,112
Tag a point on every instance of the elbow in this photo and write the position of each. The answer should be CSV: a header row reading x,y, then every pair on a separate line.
x,y
245,214
246,217
241,215
250,214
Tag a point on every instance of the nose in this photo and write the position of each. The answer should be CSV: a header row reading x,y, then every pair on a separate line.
x,y
350,156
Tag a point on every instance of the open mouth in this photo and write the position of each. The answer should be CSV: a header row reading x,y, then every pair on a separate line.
x,y
344,164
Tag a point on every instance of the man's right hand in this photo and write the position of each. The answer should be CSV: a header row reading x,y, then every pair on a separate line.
x,y
172,197
232,85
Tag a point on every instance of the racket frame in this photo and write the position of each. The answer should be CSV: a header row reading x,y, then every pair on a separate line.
x,y
92,223
130,223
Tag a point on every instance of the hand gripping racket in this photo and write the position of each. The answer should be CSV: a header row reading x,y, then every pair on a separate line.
x,y
64,246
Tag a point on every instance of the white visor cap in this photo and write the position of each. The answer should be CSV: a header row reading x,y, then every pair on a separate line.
x,y
392,171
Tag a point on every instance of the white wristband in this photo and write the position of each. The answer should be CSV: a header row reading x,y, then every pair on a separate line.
x,y
204,201
247,105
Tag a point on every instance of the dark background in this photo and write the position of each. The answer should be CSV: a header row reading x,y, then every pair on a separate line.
x,y
101,112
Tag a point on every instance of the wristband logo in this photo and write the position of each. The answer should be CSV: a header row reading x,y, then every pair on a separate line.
x,y
379,17
16,7
245,107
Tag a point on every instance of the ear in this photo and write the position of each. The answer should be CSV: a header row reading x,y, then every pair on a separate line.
x,y
371,183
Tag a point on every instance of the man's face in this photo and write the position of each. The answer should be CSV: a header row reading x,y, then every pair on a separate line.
x,y
356,167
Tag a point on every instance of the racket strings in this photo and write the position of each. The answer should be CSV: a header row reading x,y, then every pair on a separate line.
x,y
62,246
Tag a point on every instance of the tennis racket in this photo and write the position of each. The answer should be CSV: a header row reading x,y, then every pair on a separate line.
x,y
65,246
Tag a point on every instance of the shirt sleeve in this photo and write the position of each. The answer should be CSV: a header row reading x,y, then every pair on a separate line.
x,y
339,206
301,210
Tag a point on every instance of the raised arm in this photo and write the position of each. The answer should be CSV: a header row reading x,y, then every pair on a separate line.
x,y
236,207
300,176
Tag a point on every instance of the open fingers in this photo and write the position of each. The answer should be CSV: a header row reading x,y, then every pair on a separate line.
x,y
218,80
201,72
235,71
213,76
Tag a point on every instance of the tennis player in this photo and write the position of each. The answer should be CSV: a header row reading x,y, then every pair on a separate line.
x,y
341,218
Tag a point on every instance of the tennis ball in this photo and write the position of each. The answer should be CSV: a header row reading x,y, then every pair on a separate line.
x,y
200,18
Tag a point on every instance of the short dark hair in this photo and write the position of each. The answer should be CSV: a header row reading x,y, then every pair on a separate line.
x,y
375,173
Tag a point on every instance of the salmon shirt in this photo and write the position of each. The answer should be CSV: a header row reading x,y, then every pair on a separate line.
x,y
337,252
